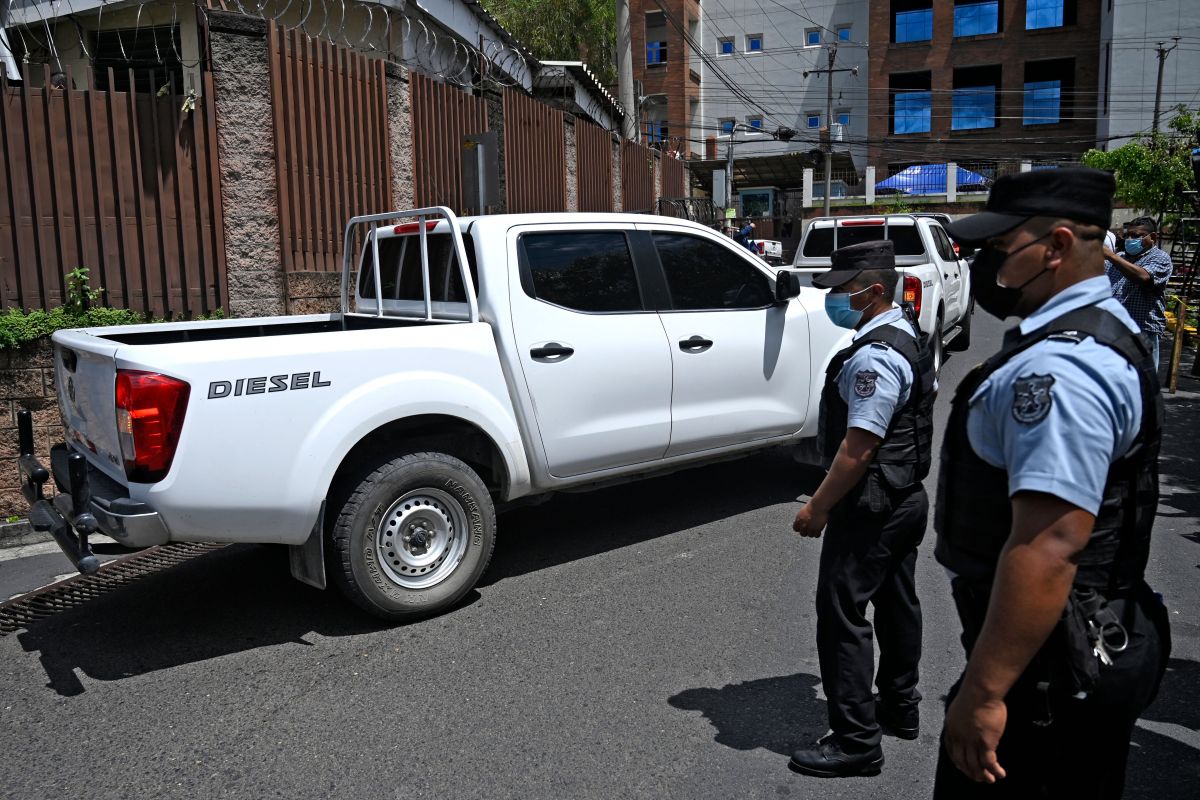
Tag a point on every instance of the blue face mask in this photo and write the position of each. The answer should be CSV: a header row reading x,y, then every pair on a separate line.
x,y
837,306
1133,247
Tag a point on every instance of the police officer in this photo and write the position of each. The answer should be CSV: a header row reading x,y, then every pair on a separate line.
x,y
875,431
1046,497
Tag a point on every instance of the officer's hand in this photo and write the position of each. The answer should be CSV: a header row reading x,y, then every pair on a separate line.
x,y
972,733
1109,254
810,521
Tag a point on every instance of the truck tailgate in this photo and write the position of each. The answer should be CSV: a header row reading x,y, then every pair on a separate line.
x,y
85,373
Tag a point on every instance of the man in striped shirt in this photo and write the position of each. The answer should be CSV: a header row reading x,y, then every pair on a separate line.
x,y
1139,279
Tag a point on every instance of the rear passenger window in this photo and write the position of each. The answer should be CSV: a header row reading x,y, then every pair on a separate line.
x,y
705,275
819,243
942,241
581,271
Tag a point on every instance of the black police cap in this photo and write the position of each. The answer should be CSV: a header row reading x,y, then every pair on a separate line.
x,y
847,262
1075,193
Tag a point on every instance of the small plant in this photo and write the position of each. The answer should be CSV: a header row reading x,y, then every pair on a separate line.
x,y
11,518
80,294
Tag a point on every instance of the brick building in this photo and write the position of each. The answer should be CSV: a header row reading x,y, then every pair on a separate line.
x,y
668,72
982,82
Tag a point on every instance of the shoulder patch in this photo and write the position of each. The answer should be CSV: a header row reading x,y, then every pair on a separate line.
x,y
864,382
1032,398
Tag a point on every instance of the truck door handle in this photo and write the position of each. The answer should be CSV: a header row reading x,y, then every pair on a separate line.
x,y
695,344
552,352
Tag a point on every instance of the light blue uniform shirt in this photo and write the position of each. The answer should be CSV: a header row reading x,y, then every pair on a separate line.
x,y
877,379
1058,414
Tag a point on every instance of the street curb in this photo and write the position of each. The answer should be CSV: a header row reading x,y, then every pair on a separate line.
x,y
20,534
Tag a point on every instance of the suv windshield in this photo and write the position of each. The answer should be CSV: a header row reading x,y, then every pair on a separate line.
x,y
819,243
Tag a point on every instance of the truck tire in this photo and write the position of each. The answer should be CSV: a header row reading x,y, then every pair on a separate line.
x,y
413,537
937,343
963,341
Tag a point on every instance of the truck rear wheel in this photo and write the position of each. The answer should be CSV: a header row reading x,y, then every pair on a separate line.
x,y
413,537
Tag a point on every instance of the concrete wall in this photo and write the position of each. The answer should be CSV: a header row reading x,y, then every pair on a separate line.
x,y
26,381
572,172
1128,65
246,151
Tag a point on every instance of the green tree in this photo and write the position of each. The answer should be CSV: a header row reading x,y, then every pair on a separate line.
x,y
1152,171
564,30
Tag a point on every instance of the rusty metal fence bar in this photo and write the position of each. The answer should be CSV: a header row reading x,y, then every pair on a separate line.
x,y
637,178
329,109
535,155
441,116
593,167
123,183
674,177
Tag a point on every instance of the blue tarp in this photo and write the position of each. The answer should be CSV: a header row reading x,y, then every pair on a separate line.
x,y
930,179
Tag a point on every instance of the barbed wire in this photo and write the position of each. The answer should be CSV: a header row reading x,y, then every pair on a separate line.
x,y
402,36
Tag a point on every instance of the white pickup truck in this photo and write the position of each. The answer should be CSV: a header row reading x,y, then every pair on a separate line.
x,y
936,279
475,362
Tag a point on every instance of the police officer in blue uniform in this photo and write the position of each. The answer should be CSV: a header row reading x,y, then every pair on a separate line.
x,y
1046,497
876,429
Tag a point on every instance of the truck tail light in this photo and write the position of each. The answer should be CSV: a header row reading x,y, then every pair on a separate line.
x,y
912,292
150,410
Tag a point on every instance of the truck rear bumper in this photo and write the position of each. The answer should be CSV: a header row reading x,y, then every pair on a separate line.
x,y
89,501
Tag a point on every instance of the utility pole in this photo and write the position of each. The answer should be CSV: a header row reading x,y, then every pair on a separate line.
x,y
1162,60
625,71
829,116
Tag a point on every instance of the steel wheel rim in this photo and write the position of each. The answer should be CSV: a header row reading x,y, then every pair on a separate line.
x,y
422,538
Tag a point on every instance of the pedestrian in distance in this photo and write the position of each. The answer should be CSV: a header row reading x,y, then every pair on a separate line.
x,y
742,237
876,427
1139,279
1046,497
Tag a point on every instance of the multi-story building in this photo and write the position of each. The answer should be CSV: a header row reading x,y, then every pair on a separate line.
x,y
667,72
982,81
1131,32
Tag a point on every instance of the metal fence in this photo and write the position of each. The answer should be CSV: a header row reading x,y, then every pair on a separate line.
x,y
329,108
674,177
124,183
441,116
593,167
535,155
637,177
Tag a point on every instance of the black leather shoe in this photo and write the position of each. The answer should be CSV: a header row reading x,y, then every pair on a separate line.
x,y
903,722
828,760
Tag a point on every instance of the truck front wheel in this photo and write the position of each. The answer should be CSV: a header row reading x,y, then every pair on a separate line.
x,y
413,537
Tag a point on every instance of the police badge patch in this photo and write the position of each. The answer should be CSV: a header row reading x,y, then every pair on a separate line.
x,y
864,382
1031,398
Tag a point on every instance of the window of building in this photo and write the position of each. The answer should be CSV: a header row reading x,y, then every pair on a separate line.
x,y
656,53
813,120
911,102
755,122
754,43
912,20
656,39
844,33
725,45
656,131
812,37
1048,87
843,118
976,19
703,275
974,101
1045,14
1042,102
152,50
727,126
581,271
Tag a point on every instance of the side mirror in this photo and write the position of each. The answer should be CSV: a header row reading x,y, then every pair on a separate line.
x,y
787,286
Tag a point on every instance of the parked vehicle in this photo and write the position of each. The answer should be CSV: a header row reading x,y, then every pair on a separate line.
x,y
475,362
935,278
771,251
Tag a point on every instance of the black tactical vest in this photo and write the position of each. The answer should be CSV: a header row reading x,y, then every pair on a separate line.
x,y
973,516
904,457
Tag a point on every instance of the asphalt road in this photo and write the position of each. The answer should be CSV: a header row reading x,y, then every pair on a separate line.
x,y
650,641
